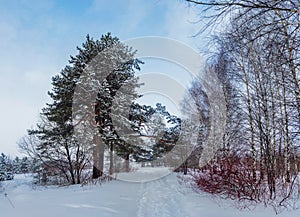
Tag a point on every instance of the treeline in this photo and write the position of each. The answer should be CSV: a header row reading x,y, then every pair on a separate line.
x,y
257,60
18,165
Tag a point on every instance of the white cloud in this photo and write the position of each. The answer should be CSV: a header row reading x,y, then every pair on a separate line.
x,y
28,59
35,45
180,23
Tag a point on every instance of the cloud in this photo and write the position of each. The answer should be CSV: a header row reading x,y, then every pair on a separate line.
x,y
183,23
28,59
37,38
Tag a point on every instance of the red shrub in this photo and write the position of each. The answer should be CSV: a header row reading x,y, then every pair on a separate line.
x,y
230,177
235,178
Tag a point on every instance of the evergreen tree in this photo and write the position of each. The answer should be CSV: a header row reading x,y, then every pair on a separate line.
x,y
4,163
17,165
25,165
59,149
115,96
158,129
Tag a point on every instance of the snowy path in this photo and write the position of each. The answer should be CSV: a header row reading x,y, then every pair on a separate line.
x,y
164,197
160,198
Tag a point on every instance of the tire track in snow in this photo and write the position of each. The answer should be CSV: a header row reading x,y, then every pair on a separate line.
x,y
160,198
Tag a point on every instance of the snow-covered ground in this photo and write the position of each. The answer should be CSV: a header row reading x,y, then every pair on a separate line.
x,y
163,197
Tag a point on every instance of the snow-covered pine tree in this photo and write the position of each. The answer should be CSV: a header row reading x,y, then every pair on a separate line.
x,y
4,163
25,165
157,129
114,99
17,165
58,149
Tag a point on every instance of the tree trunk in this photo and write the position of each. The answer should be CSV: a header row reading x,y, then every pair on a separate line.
x,y
127,167
253,150
98,157
111,159
71,168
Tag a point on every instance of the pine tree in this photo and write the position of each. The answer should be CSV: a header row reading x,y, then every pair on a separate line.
x,y
157,128
4,163
25,165
114,99
17,165
59,149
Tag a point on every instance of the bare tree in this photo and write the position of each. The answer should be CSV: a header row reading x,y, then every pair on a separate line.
x,y
257,60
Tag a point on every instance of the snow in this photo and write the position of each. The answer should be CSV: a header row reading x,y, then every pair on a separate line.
x,y
144,174
162,197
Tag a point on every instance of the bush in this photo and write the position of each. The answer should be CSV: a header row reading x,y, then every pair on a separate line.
x,y
235,178
230,178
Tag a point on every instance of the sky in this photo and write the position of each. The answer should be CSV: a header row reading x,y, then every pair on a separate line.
x,y
38,37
